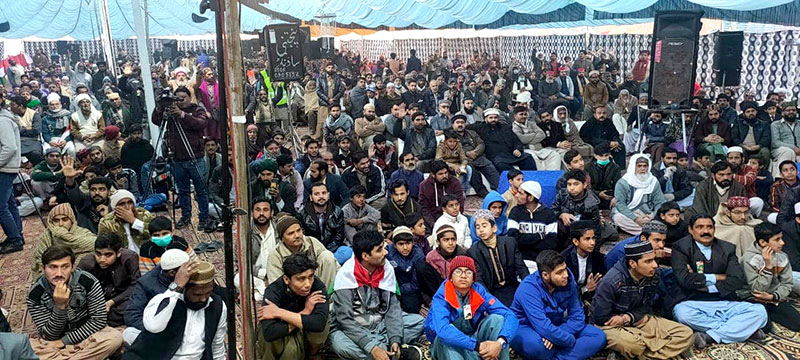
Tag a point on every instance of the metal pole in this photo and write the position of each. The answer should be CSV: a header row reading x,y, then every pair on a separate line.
x,y
683,125
234,81
105,37
144,63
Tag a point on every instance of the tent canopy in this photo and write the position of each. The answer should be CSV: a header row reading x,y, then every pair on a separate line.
x,y
80,19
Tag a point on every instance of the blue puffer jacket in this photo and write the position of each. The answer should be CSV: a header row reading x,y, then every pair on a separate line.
x,y
444,311
557,317
502,221
404,268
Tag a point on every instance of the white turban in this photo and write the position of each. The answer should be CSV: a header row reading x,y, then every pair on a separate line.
x,y
53,97
82,97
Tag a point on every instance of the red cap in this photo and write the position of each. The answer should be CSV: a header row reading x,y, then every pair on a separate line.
x,y
461,261
563,68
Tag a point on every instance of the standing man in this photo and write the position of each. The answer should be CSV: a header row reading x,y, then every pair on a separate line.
x,y
9,167
330,89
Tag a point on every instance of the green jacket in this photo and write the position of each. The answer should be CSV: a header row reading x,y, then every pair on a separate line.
x,y
110,224
43,173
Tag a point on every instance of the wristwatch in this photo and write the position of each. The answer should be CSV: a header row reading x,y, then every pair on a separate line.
x,y
504,342
175,287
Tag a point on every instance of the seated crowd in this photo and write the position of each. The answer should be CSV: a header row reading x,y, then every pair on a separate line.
x,y
361,229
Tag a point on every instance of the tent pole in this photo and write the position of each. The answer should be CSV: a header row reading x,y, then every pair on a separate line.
x,y
144,63
105,37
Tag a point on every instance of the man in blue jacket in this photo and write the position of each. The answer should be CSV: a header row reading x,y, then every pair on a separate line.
x,y
465,321
552,323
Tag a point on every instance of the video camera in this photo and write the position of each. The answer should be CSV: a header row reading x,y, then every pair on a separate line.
x,y
166,98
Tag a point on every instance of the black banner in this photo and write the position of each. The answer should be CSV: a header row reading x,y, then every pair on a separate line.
x,y
285,51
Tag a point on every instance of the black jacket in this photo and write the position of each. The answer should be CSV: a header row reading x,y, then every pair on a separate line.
x,y
594,132
414,98
498,138
681,185
587,206
595,264
791,239
286,192
762,132
511,262
279,294
340,194
193,124
375,182
152,283
689,285
554,133
322,90
618,293
412,64
604,177
85,212
332,234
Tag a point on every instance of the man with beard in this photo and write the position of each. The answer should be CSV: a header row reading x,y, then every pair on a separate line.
x,y
358,97
623,307
708,275
90,207
262,109
673,180
399,206
531,136
745,175
751,133
294,241
434,188
124,179
364,173
319,171
97,77
409,174
374,326
116,113
55,123
136,151
712,133
131,224
503,147
366,127
30,129
549,90
268,184
47,174
263,240
383,155
470,113
420,140
638,196
727,113
599,129
330,89
595,94
441,120
413,95
431,98
207,91
182,79
566,90
784,136
323,220
68,308
474,147
188,320
716,189
340,120
289,175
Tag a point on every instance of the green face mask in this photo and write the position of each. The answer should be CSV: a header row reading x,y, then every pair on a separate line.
x,y
162,241
603,162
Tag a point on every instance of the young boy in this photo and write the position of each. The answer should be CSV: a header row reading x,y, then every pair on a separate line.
x,y
451,215
404,255
764,178
515,179
670,214
117,269
574,161
769,276
586,264
451,152
358,215
700,168
416,223
160,241
683,160
781,187
576,203
605,174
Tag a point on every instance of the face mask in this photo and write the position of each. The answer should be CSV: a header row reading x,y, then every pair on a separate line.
x,y
603,162
162,241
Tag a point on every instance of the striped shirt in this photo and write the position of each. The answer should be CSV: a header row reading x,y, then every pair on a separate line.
x,y
85,313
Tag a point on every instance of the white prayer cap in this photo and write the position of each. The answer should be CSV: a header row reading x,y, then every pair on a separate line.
x,y
735,149
491,111
797,209
53,97
82,97
532,188
173,259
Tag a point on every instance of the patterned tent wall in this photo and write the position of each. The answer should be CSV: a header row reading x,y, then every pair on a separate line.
x,y
771,60
129,46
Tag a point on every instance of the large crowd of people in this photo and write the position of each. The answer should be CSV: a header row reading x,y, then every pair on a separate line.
x,y
360,241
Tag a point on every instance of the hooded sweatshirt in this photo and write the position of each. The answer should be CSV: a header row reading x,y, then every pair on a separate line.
x,y
79,240
9,143
502,221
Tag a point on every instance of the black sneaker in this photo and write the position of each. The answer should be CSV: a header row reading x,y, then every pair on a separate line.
x,y
6,248
759,335
209,227
183,222
410,352
200,248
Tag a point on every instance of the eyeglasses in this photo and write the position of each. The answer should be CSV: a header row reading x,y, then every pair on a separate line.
x,y
460,272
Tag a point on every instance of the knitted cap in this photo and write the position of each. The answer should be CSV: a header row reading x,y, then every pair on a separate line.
x,y
61,209
119,195
532,188
52,150
284,222
401,230
655,227
111,132
788,104
461,261
443,229
738,202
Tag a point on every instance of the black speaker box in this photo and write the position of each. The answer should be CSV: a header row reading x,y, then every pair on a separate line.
x,y
673,58
326,47
728,58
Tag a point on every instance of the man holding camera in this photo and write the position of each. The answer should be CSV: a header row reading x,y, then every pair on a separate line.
x,y
185,117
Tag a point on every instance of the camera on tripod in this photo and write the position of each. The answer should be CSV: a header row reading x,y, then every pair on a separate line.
x,y
166,98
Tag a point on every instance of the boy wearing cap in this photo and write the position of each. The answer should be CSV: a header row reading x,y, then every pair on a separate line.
x,y
292,241
623,307
68,308
735,223
604,174
173,319
437,261
533,225
499,262
551,317
126,220
769,276
465,321
405,256
376,325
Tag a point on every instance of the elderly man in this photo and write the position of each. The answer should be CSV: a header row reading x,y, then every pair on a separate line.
x,y
638,196
595,94
87,125
708,275
368,126
785,132
735,223
532,137
503,148
116,113
442,120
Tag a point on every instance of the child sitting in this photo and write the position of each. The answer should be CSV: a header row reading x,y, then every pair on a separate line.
x,y
583,259
578,203
451,215
573,161
764,178
515,179
160,241
358,215
416,223
404,255
451,152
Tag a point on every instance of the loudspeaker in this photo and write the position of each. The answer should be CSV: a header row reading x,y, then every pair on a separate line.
x,y
728,58
169,49
326,47
314,49
62,47
673,59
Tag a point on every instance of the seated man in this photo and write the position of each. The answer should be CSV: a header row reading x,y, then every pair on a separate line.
x,y
90,207
47,174
452,329
267,183
69,329
503,148
293,319
186,321
531,136
436,186
399,206
364,173
162,240
117,270
638,196
584,258
769,276
319,171
784,133
374,326
62,229
708,274
126,220
746,175
292,241
604,175
499,263
323,220
405,257
408,172
599,129
655,133
358,215
673,180
383,155
124,179
748,123
552,324
623,307
654,232
474,148
712,133
735,223
533,225
420,140
715,190
781,187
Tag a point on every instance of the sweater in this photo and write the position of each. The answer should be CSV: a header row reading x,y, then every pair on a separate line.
x,y
777,281
431,193
535,230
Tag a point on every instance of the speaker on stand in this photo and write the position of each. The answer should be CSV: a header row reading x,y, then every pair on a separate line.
x,y
728,58
673,61
326,47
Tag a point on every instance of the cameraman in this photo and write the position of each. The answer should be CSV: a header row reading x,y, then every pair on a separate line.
x,y
181,113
